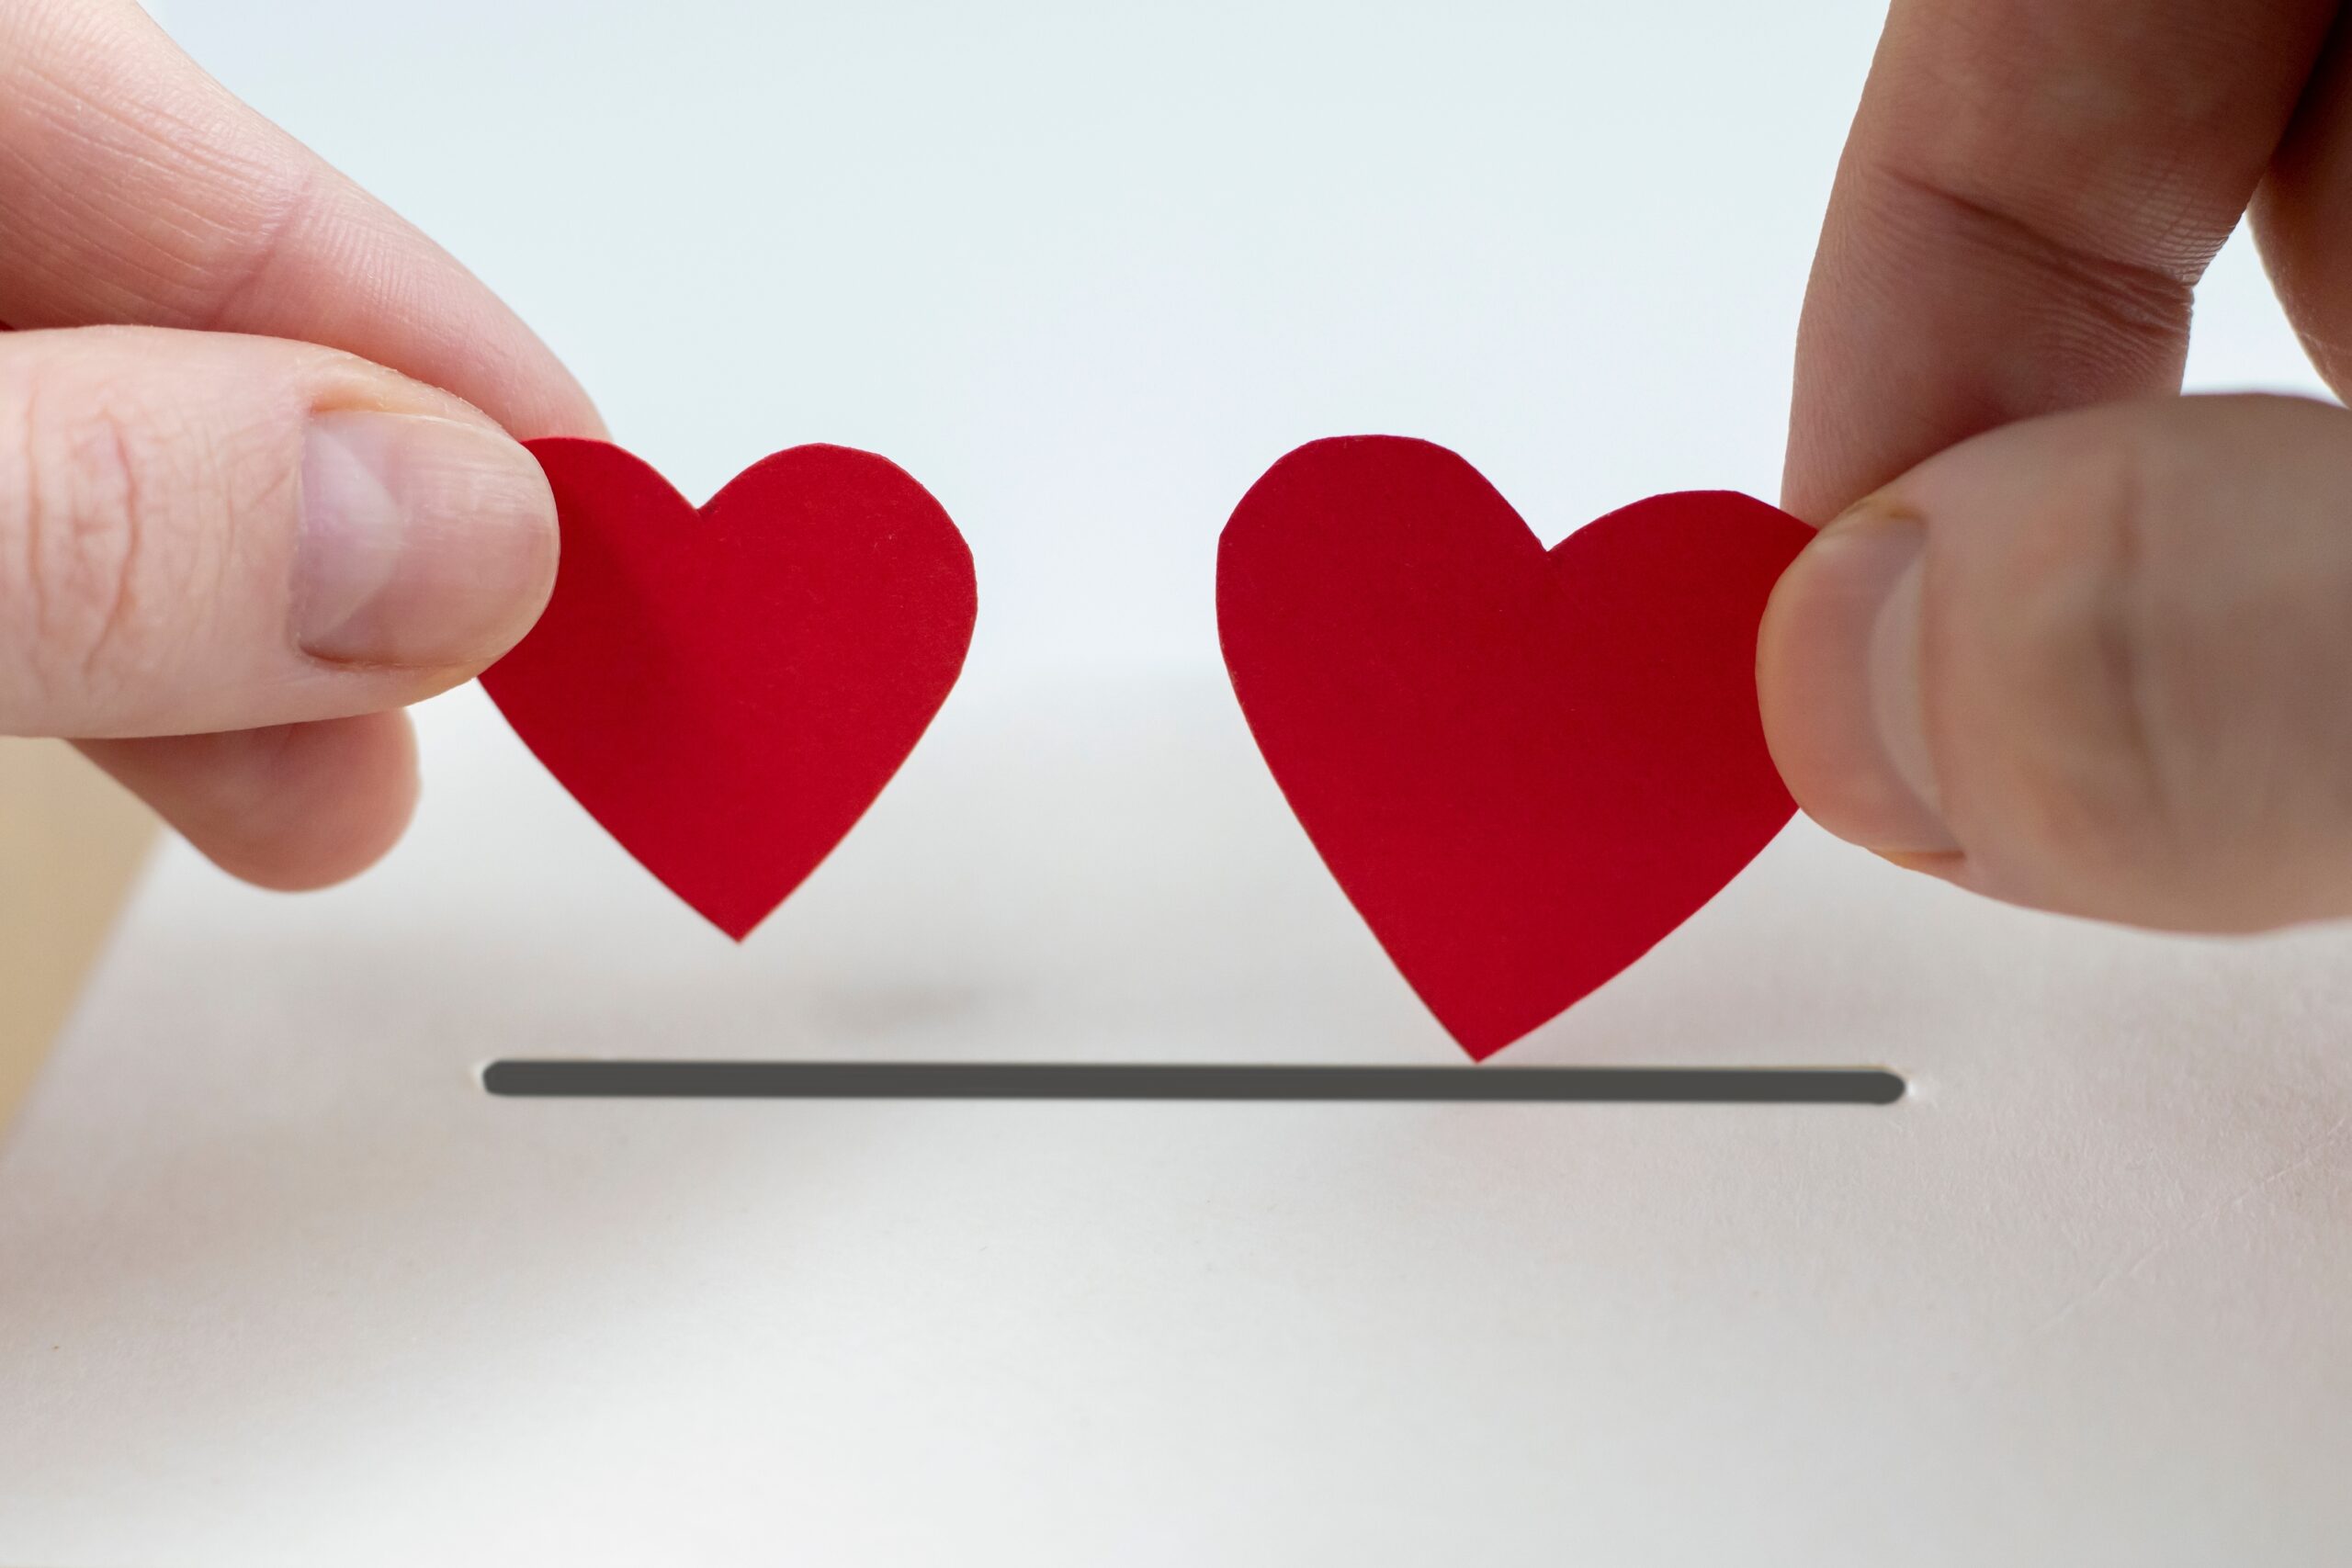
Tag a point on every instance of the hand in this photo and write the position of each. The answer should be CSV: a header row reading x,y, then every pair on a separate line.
x,y
2097,661
242,526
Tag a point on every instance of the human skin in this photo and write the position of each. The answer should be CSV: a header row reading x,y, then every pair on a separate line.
x,y
261,483
2069,638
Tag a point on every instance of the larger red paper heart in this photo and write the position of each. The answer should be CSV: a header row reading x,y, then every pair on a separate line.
x,y
728,691
1524,767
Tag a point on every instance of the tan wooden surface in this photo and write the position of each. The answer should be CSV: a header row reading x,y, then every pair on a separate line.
x,y
71,845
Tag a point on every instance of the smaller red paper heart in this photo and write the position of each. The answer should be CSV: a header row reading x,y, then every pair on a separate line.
x,y
728,690
1524,767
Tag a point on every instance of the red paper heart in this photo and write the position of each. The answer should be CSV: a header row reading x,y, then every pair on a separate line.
x,y
728,691
1524,767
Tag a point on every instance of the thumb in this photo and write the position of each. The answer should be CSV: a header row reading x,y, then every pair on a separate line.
x,y
201,532
2100,663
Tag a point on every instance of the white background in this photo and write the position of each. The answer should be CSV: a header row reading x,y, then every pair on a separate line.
x,y
279,1285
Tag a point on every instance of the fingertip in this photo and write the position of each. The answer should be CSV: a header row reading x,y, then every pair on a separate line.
x,y
1838,683
574,413
424,543
534,394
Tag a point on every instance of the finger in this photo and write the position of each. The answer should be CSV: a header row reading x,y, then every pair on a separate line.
x,y
2028,193
134,189
292,807
2303,214
201,532
2097,662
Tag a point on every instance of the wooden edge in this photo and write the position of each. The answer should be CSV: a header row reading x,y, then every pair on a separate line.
x,y
72,843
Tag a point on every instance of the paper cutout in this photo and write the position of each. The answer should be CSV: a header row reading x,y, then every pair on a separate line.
x,y
728,690
1523,768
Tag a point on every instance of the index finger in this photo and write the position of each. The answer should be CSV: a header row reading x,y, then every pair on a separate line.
x,y
134,189
2030,190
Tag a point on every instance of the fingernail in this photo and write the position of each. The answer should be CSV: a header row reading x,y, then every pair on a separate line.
x,y
1840,670
424,542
